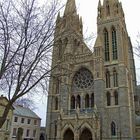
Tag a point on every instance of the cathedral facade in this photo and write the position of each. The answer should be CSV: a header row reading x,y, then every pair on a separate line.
x,y
91,94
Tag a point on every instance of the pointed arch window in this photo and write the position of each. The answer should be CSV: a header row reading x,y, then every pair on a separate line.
x,y
114,44
99,13
57,85
59,49
107,76
116,97
117,8
107,10
68,135
87,101
113,129
72,102
56,103
108,98
115,78
92,100
106,44
82,80
55,130
78,101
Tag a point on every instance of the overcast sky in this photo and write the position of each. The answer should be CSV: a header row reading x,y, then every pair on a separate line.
x,y
88,10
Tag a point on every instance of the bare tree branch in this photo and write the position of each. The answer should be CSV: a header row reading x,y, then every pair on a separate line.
x,y
26,41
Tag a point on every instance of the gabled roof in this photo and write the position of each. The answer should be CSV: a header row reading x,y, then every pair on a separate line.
x,y
25,112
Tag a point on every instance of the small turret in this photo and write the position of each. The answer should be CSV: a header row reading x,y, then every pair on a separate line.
x,y
98,59
99,9
99,4
58,17
70,8
109,9
70,21
81,25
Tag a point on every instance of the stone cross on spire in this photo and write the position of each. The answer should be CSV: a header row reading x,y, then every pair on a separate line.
x,y
70,8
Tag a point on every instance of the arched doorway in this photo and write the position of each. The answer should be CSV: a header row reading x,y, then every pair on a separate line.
x,y
42,137
68,135
86,135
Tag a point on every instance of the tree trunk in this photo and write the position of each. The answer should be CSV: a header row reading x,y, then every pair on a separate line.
x,y
5,114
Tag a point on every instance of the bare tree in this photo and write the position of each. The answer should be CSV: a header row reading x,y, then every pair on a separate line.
x,y
26,40
25,102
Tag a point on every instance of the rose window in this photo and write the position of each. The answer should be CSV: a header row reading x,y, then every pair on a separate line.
x,y
83,79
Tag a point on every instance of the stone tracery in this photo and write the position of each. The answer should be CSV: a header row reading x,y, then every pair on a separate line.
x,y
83,79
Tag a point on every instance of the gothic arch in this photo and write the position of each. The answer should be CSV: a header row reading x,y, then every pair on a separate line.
x,y
115,77
114,43
116,97
107,78
113,128
85,125
92,99
78,101
73,101
42,136
113,28
87,101
108,97
106,44
59,49
56,103
77,69
68,135
105,30
66,127
107,10
86,134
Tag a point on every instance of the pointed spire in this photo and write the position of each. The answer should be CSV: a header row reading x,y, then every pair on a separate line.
x,y
81,25
99,4
110,1
58,17
70,7
98,42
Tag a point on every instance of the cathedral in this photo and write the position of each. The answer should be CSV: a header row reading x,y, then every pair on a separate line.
x,y
93,95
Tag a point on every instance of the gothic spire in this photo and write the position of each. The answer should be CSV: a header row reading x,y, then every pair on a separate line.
x,y
99,4
70,7
58,17
110,1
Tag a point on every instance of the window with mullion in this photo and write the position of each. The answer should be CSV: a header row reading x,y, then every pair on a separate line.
x,y
92,100
87,101
72,102
114,45
108,99
113,129
107,75
115,78
116,97
106,44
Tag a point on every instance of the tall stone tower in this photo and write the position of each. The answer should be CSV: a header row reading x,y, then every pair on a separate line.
x,y
117,110
91,95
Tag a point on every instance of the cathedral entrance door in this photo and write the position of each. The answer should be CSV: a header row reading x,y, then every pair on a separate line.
x,y
86,135
68,135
